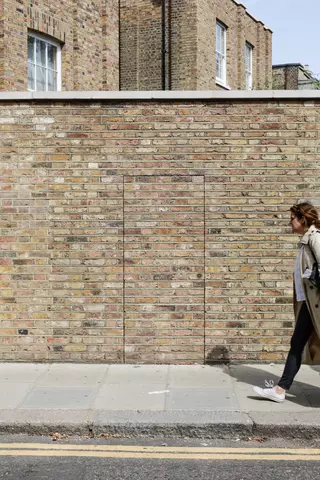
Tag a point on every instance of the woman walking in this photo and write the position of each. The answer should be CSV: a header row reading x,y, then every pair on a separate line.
x,y
306,336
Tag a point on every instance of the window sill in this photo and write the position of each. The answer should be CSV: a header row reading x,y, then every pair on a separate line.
x,y
222,84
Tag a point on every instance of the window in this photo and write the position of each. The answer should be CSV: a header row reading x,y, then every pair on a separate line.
x,y
44,60
221,36
248,60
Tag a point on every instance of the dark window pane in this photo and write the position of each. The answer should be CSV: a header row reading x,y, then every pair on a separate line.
x,y
40,53
52,55
31,49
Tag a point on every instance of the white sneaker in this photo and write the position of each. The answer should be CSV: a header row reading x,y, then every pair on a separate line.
x,y
270,393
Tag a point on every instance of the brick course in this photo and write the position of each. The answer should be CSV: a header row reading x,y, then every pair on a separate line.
x,y
150,231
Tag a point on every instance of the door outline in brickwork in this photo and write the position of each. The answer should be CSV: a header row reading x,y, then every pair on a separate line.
x,y
177,234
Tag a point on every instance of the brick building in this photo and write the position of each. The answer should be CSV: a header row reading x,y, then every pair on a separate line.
x,y
292,76
210,44
59,45
132,45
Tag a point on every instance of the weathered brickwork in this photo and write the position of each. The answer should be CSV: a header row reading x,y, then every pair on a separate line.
x,y
164,267
110,45
118,44
88,32
2,47
293,76
150,231
182,33
191,45
140,21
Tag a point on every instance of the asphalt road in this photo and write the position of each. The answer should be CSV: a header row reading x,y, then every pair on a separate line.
x,y
35,458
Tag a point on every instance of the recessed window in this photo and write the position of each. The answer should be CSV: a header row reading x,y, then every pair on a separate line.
x,y
248,66
44,64
221,40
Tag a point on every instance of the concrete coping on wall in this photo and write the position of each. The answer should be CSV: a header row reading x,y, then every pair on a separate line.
x,y
164,95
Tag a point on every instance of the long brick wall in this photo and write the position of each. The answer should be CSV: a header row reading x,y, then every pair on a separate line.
x,y
151,231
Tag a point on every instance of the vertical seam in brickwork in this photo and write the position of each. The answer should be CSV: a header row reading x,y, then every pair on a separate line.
x,y
204,269
119,45
138,55
123,283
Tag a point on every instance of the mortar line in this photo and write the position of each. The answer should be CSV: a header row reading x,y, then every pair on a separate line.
x,y
204,269
123,282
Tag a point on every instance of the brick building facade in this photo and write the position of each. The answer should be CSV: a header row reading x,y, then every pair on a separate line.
x,y
135,229
292,76
117,44
191,46
87,32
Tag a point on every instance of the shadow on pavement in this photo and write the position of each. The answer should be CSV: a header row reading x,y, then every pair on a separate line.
x,y
299,393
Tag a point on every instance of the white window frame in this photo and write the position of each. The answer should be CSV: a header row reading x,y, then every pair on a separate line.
x,y
43,38
248,55
222,54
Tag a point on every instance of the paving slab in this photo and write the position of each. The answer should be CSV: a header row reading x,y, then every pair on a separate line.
x,y
202,399
255,374
136,374
129,397
59,398
21,372
313,397
250,402
195,376
73,375
12,394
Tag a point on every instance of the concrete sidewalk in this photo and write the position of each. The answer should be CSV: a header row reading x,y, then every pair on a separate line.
x,y
155,400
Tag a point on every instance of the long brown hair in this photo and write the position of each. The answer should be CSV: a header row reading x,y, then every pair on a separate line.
x,y
307,211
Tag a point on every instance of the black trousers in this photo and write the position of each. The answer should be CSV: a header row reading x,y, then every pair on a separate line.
x,y
303,330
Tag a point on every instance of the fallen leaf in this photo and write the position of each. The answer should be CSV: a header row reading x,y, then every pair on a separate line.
x,y
257,439
57,436
112,435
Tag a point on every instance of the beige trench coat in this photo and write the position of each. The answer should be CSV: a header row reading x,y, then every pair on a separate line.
x,y
310,244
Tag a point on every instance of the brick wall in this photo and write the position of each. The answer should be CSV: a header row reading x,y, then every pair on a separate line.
x,y
87,44
151,231
2,46
140,45
191,45
88,32
181,58
278,79
292,77
110,45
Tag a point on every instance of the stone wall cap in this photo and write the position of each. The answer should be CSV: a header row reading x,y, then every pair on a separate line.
x,y
162,95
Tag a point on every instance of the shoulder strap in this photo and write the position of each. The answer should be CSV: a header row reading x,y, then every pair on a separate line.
x,y
318,231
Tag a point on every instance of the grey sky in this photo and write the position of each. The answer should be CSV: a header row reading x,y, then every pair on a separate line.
x,y
295,24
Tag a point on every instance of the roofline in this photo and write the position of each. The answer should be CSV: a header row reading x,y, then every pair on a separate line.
x,y
250,15
168,95
281,65
299,65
